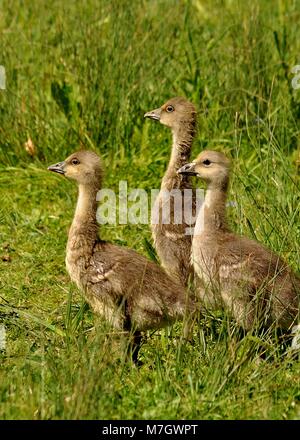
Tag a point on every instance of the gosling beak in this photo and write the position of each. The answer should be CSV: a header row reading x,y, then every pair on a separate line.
x,y
188,169
154,114
57,168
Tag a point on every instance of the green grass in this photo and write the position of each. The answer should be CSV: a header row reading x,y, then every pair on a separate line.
x,y
82,74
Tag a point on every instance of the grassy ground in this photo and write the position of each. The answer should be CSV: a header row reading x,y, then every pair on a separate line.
x,y
82,74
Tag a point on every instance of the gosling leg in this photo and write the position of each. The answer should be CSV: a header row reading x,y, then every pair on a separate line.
x,y
134,346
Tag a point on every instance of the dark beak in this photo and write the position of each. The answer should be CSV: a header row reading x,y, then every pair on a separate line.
x,y
57,168
154,114
188,169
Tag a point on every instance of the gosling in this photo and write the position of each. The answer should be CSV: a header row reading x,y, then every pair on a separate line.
x,y
254,284
173,241
132,293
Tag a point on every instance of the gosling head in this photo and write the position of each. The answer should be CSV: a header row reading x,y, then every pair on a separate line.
x,y
174,113
211,166
83,166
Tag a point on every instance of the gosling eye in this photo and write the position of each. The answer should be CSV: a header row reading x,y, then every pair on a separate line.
x,y
169,108
206,162
75,161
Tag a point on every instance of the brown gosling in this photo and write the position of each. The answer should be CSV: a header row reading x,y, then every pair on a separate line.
x,y
172,243
254,284
131,292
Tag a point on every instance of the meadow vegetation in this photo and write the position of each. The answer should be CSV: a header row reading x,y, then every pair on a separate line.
x,y
81,75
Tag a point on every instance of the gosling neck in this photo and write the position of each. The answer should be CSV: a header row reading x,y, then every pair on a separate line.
x,y
212,214
183,136
84,224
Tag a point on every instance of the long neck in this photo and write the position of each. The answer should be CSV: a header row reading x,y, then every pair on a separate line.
x,y
181,151
212,214
84,229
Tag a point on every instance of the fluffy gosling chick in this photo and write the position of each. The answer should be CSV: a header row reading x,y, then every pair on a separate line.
x,y
127,289
253,283
172,243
